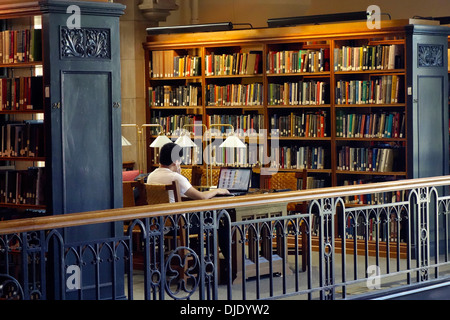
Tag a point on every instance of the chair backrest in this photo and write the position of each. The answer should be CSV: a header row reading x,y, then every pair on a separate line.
x,y
283,180
215,177
159,193
187,172
128,194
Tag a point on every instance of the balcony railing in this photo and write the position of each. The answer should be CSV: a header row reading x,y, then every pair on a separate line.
x,y
205,250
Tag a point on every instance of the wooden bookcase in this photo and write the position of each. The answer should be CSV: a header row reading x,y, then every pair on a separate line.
x,y
409,118
78,103
21,111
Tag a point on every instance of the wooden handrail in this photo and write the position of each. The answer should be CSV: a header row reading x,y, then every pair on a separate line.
x,y
139,212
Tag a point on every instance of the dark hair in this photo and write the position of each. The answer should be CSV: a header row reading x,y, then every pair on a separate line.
x,y
169,153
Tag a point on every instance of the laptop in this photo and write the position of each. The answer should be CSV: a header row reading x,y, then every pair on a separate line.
x,y
236,180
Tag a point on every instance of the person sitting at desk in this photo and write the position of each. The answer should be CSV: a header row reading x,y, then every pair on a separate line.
x,y
169,171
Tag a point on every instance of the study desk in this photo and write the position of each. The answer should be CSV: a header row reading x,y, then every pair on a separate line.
x,y
265,249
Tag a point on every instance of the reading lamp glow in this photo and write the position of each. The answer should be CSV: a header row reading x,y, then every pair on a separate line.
x,y
232,141
157,143
160,140
185,141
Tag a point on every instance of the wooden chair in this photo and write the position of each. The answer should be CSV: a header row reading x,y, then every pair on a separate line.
x,y
215,177
129,198
128,194
193,174
159,193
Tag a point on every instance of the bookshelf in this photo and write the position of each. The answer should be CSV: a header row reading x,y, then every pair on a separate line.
x,y
22,151
44,87
348,103
61,120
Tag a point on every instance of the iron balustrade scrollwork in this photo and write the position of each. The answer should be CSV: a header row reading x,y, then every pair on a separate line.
x,y
331,249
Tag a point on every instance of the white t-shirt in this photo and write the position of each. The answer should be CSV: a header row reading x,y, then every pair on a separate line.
x,y
167,176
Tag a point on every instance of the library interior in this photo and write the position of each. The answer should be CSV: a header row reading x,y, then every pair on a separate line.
x,y
224,150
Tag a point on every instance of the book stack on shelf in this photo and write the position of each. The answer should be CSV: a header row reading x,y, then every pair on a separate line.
x,y
310,92
370,125
234,95
368,57
373,199
312,183
18,46
242,63
173,124
243,124
21,93
310,124
370,159
168,64
298,157
22,187
297,61
381,90
22,139
173,96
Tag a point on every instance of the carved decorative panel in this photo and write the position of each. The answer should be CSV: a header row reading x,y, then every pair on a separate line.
x,y
91,43
430,55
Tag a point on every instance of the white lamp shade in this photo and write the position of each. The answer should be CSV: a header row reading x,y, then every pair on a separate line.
x,y
160,141
125,142
185,141
232,142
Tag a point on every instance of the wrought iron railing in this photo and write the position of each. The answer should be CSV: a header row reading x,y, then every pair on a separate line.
x,y
330,249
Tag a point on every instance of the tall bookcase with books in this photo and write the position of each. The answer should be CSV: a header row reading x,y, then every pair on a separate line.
x,y
22,153
340,100
298,105
370,109
60,121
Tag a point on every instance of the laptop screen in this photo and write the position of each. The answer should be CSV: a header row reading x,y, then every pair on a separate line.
x,y
235,179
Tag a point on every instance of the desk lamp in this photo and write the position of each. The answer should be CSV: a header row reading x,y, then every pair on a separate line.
x,y
232,141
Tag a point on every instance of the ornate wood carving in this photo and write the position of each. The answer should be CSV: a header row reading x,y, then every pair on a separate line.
x,y
92,43
430,55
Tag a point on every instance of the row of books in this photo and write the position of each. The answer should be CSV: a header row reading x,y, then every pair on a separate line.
x,y
20,46
22,139
298,157
298,93
213,155
382,90
242,63
296,61
186,66
243,124
173,124
306,124
375,198
22,93
312,183
375,159
371,228
372,125
165,96
22,186
167,63
250,156
234,95
379,57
